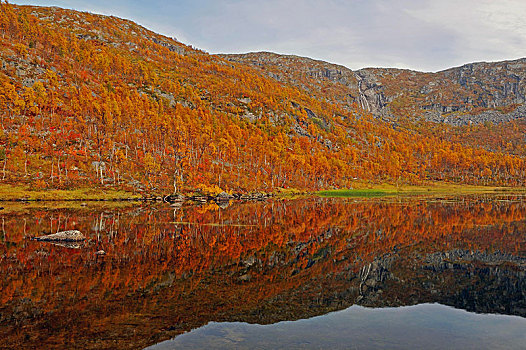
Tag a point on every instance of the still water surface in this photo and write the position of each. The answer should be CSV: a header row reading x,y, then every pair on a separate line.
x,y
301,273
424,326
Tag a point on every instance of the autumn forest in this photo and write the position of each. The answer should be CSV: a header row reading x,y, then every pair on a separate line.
x,y
91,100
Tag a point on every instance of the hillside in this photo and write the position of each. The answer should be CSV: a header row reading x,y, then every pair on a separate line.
x,y
91,100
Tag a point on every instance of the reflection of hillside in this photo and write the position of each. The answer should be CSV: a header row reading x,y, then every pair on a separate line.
x,y
493,284
258,262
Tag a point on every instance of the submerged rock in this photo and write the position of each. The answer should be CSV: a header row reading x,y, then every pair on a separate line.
x,y
64,236
223,204
68,244
176,205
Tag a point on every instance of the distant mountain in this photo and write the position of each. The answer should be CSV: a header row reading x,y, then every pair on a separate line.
x,y
91,100
474,93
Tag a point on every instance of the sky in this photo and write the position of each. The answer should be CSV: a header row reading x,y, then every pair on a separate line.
x,y
425,35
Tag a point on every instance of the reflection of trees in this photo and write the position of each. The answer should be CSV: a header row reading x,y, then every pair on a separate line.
x,y
259,262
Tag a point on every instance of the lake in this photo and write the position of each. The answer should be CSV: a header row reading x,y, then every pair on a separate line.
x,y
306,273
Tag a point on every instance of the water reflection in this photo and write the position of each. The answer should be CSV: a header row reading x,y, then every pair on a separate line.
x,y
425,326
167,270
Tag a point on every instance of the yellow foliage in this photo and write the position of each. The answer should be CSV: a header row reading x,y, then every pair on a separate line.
x,y
212,190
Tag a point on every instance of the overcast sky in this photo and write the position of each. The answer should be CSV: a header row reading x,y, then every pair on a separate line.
x,y
426,35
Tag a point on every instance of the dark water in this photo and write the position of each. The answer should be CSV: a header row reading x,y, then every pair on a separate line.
x,y
305,273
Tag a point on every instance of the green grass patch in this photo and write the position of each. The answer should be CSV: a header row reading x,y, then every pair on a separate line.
x,y
379,190
355,193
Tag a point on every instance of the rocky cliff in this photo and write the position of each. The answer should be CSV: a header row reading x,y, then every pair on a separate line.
x,y
473,93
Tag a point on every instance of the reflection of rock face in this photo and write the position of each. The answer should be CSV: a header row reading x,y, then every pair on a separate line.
x,y
373,275
488,283
474,281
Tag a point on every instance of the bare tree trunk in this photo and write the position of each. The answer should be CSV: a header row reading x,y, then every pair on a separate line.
x,y
52,166
221,171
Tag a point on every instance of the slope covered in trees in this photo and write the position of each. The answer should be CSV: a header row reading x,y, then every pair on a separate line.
x,y
95,100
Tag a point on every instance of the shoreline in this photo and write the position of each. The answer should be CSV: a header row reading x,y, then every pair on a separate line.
x,y
21,193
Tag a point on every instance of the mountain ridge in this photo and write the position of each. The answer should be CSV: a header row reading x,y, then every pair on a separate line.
x,y
292,55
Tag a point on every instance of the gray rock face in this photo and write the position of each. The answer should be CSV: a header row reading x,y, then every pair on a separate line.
x,y
451,96
180,50
489,116
64,236
370,92
303,72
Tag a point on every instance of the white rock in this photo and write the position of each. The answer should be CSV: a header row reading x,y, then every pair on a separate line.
x,y
64,236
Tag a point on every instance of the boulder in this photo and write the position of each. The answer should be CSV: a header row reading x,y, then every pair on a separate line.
x,y
63,236
223,196
172,198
